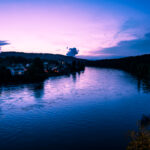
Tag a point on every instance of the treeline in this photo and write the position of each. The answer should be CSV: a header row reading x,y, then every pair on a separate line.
x,y
8,60
138,65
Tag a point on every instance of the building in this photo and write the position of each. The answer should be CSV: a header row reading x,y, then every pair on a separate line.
x,y
17,69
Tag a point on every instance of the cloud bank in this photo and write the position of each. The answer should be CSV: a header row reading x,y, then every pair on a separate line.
x,y
127,25
129,48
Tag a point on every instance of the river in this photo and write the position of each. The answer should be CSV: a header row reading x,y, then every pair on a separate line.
x,y
91,110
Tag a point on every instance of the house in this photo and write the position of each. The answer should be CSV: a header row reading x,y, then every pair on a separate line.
x,y
17,69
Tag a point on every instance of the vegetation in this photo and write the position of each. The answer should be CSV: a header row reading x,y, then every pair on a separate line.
x,y
36,71
5,75
138,65
140,140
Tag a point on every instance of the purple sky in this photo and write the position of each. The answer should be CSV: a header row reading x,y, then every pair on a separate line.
x,y
95,27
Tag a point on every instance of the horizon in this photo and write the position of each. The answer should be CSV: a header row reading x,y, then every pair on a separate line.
x,y
99,29
77,57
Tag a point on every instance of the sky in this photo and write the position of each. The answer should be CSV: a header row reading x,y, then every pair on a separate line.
x,y
97,28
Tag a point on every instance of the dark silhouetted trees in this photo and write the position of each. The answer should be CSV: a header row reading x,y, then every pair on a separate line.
x,y
5,75
138,65
35,71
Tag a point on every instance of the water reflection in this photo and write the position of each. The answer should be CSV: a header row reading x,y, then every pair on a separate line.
x,y
76,108
76,75
145,121
0,91
37,89
144,85
139,85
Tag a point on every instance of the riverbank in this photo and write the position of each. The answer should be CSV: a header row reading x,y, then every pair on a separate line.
x,y
138,65
22,70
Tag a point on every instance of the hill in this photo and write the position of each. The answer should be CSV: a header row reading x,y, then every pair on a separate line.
x,y
138,65
45,56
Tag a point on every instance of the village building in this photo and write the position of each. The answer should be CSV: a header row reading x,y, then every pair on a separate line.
x,y
17,69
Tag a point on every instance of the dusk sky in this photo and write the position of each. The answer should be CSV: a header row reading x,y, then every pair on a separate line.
x,y
98,28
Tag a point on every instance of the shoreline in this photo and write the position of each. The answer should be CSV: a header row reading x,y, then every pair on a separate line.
x,y
37,79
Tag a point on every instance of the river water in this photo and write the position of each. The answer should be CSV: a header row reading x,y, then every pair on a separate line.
x,y
95,109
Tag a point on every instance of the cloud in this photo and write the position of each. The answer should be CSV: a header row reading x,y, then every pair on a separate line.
x,y
130,23
72,52
127,25
130,48
3,43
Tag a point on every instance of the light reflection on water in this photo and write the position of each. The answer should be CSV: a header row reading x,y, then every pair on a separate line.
x,y
90,109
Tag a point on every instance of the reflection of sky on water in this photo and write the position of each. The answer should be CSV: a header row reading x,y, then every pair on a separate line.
x,y
83,109
16,96
103,84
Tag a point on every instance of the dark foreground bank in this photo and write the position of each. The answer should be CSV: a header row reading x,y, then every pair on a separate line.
x,y
15,69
